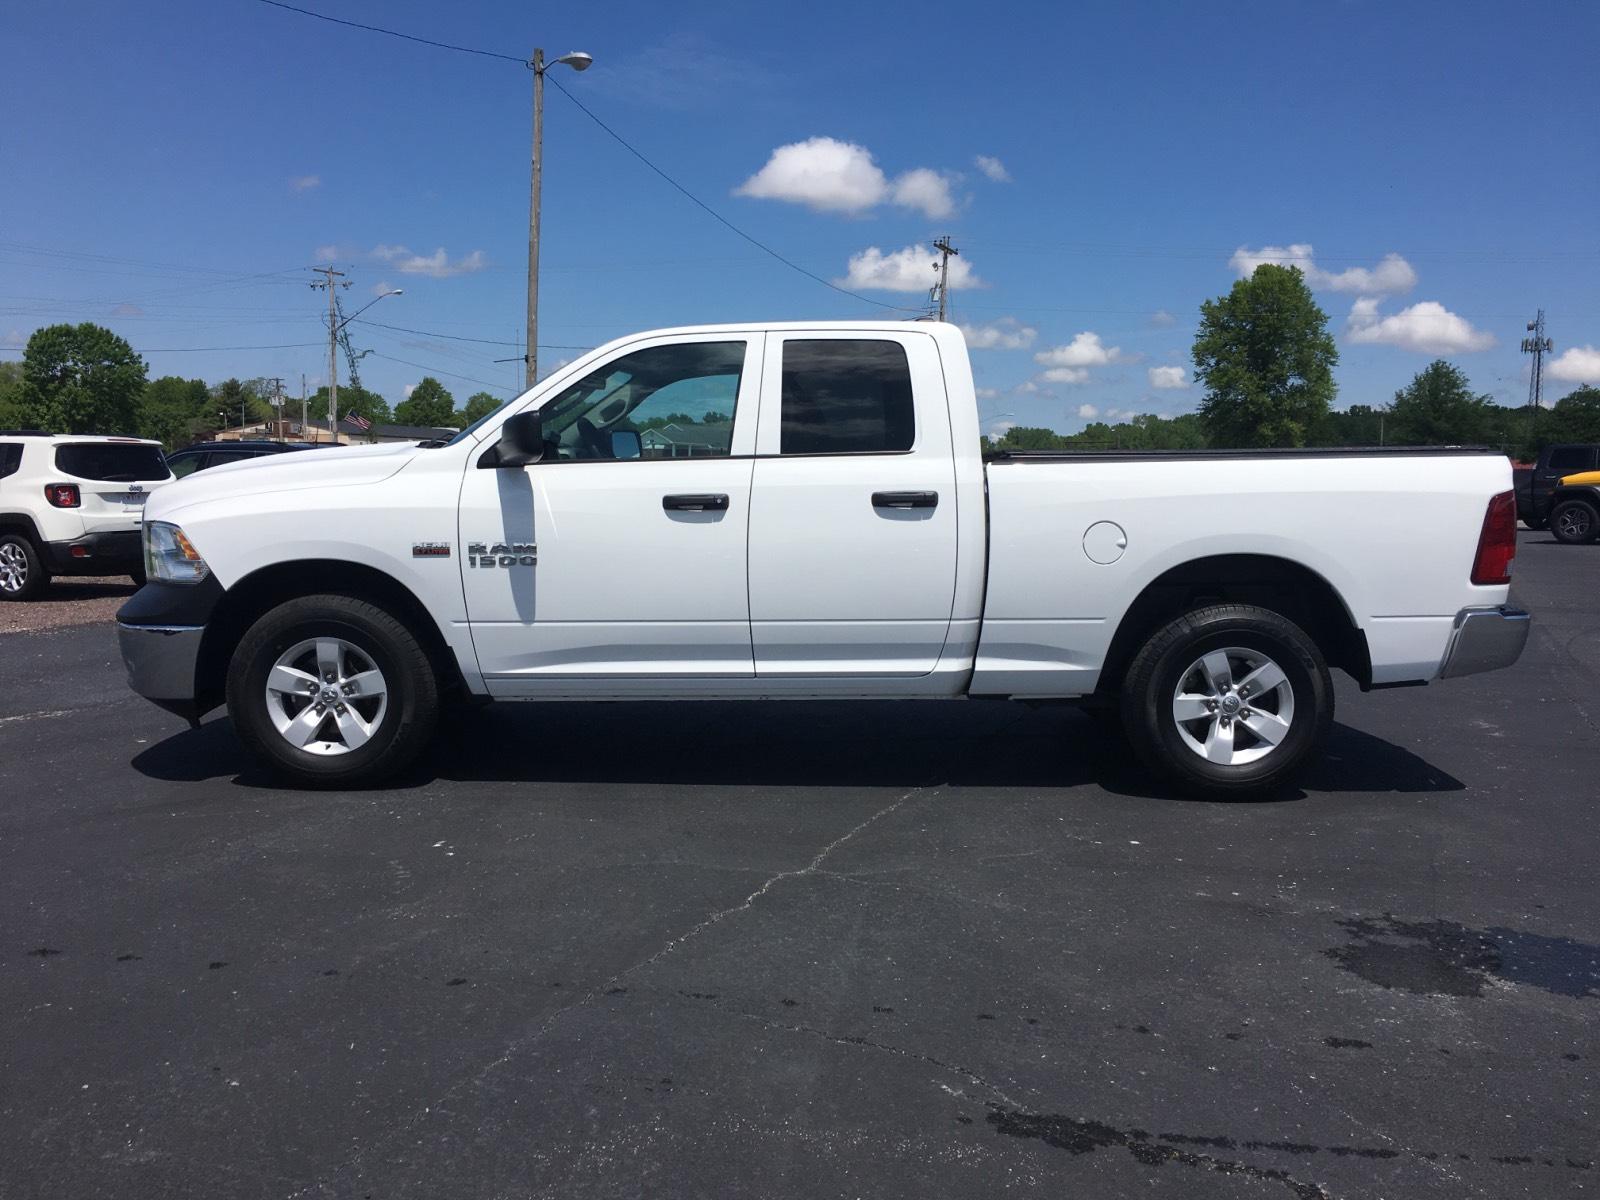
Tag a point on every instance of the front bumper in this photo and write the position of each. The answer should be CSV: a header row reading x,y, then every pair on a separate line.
x,y
161,660
109,552
1485,639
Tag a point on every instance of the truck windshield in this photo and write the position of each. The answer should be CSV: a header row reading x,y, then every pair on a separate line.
x,y
111,462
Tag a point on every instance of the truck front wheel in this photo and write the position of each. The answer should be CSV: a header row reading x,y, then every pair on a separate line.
x,y
1228,701
332,691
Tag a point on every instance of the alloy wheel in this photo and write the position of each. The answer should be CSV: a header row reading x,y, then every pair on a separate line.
x,y
326,696
1233,706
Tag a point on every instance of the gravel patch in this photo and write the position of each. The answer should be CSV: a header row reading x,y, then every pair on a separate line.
x,y
87,601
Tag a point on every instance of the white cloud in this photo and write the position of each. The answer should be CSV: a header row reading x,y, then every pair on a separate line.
x,y
1168,377
1005,334
1066,375
925,190
1162,319
127,309
1087,412
326,253
14,339
1578,364
1085,350
382,286
907,270
304,183
998,429
1392,275
411,387
993,168
1428,327
827,175
988,393
436,265
824,174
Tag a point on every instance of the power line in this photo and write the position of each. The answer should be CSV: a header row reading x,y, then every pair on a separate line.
x,y
436,371
193,349
620,140
456,337
396,33
756,242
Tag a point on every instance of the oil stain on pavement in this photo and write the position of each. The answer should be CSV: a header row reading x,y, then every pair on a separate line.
x,y
1443,958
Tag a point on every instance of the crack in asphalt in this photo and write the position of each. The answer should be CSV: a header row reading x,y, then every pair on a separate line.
x,y
611,986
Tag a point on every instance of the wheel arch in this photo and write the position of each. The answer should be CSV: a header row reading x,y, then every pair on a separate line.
x,y
1279,584
19,522
1587,493
244,603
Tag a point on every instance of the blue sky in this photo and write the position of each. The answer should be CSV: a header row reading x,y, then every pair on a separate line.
x,y
173,169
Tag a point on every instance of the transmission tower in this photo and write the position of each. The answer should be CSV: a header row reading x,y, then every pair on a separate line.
x,y
351,355
1538,345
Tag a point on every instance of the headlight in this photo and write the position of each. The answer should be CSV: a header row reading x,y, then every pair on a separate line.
x,y
170,556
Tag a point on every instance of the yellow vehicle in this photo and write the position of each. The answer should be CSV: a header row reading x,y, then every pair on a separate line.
x,y
1575,508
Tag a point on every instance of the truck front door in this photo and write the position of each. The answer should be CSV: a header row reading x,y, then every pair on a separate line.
x,y
618,561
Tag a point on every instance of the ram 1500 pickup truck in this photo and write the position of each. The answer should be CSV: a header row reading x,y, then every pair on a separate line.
x,y
803,510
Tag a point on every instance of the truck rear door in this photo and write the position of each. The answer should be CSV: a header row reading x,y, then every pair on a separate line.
x,y
852,553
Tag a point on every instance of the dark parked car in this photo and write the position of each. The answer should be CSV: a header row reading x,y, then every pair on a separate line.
x,y
1536,485
213,454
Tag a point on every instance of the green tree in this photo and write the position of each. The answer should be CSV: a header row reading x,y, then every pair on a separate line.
x,y
353,401
235,399
1576,417
479,405
429,404
1266,358
175,411
10,395
1438,407
80,379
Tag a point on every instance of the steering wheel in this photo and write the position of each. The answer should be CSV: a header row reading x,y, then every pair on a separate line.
x,y
595,444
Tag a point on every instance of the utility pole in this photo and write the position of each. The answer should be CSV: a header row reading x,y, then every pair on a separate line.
x,y
303,421
277,403
329,276
945,250
1538,345
578,61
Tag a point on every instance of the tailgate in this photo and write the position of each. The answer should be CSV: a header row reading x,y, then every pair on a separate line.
x,y
114,479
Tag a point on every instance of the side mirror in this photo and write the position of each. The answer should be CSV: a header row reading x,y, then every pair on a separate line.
x,y
625,443
521,441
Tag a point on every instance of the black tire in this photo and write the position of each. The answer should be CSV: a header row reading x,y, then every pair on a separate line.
x,y
404,725
1575,522
1150,689
1537,524
19,558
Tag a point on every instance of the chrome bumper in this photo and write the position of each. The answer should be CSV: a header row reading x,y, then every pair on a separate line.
x,y
160,659
1485,639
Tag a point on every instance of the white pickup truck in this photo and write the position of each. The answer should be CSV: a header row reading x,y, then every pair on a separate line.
x,y
803,510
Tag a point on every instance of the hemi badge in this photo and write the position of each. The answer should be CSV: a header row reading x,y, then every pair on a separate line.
x,y
430,550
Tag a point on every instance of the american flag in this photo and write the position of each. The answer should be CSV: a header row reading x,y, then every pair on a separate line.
x,y
359,422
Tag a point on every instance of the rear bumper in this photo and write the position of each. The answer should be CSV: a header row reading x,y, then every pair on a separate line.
x,y
1485,639
111,552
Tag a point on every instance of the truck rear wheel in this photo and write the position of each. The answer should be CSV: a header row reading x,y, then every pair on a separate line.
x,y
332,691
1228,701
22,575
1575,522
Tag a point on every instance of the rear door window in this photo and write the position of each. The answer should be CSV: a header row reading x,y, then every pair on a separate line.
x,y
1571,458
111,462
846,396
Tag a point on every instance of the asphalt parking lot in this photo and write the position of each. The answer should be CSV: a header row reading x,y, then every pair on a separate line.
x,y
879,950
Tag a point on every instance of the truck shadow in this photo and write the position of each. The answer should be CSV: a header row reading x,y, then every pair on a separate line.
x,y
793,744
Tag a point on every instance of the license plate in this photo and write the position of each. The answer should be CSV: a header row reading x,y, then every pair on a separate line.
x,y
133,498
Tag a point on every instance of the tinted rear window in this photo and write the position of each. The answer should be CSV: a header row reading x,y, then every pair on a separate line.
x,y
111,462
10,460
1571,458
846,397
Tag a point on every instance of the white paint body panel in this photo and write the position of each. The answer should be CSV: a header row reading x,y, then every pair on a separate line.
x,y
801,587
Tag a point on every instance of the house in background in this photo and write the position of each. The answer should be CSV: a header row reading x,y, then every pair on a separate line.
x,y
351,432
676,440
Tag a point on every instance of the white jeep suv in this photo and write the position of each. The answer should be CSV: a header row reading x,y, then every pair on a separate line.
x,y
71,504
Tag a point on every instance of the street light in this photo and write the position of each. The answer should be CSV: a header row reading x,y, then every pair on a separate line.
x,y
578,61
333,353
